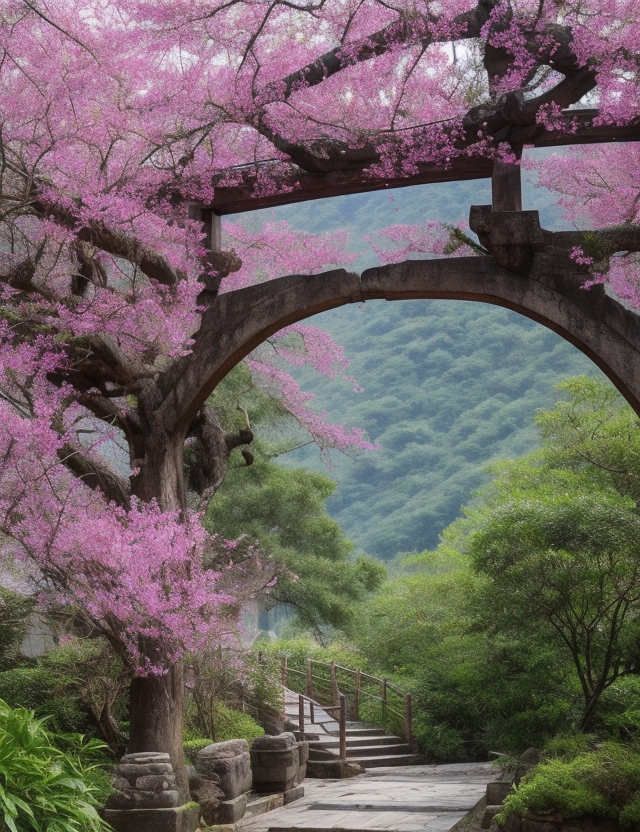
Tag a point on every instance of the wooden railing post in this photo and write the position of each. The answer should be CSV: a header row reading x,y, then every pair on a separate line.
x,y
301,714
308,688
283,671
335,693
343,727
312,712
383,696
356,696
408,719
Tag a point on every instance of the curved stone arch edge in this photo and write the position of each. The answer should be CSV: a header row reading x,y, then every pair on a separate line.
x,y
600,327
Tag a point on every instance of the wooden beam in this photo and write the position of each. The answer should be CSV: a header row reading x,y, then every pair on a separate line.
x,y
303,186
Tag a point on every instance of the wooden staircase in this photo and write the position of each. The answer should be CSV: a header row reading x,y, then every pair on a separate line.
x,y
366,745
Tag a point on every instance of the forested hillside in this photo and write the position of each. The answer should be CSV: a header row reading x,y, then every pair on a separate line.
x,y
447,385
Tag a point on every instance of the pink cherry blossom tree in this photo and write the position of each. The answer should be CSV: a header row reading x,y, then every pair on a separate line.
x,y
122,125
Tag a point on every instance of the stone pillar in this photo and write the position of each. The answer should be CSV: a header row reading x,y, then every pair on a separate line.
x,y
275,762
147,798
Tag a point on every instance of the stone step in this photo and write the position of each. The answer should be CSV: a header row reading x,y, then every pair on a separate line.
x,y
368,731
398,750
389,760
355,742
259,804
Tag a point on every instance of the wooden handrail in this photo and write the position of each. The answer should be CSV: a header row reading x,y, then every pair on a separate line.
x,y
354,672
403,713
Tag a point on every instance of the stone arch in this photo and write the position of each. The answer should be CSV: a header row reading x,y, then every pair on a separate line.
x,y
550,293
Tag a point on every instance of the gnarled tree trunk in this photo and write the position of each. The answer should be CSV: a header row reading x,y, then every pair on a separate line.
x,y
157,701
156,709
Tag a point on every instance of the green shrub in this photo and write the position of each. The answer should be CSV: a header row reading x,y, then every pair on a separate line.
x,y
618,715
98,683
47,783
604,783
15,610
227,724
47,693
304,647
440,742
191,747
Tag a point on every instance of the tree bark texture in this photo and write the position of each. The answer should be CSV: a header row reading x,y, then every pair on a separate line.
x,y
156,712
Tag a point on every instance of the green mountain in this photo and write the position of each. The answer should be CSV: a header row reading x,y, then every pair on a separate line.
x,y
448,385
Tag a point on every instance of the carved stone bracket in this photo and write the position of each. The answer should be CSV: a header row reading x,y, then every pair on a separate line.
x,y
512,237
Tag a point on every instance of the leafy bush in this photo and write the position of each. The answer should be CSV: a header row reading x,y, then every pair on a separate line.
x,y
225,724
48,783
191,747
618,715
604,782
46,692
81,685
439,740
14,615
224,682
97,681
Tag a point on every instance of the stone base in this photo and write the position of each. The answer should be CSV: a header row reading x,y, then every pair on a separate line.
x,y
489,814
182,819
230,762
332,770
293,794
231,811
260,805
497,791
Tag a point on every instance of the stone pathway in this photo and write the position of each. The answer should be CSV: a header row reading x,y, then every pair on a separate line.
x,y
409,799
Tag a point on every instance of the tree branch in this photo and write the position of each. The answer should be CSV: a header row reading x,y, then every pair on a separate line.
x,y
404,31
98,477
113,241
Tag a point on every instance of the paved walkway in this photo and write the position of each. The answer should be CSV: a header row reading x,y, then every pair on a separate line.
x,y
408,799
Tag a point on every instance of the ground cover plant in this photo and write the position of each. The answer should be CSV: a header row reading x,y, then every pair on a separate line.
x,y
49,783
600,780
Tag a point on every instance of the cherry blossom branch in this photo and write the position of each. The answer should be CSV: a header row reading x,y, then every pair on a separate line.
x,y
466,26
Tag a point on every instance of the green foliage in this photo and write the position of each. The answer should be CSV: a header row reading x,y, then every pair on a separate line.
x,y
80,685
539,635
474,691
263,689
191,747
14,615
403,621
285,510
225,724
223,685
594,246
300,647
448,387
46,692
602,782
618,714
557,532
479,693
97,681
44,787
